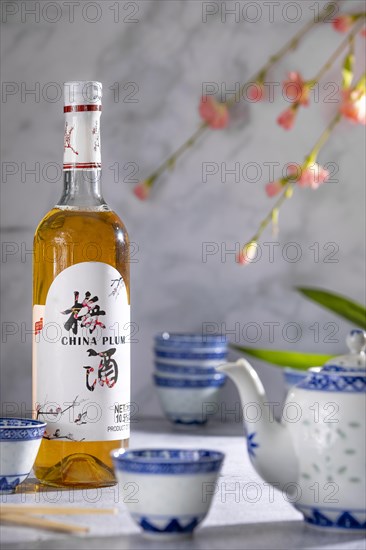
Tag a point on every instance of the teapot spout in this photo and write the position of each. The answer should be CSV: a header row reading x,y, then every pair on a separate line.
x,y
269,443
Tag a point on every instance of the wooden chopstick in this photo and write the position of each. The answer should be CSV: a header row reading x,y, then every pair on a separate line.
x,y
31,521
53,510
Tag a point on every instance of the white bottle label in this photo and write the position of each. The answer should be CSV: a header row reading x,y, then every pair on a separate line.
x,y
81,355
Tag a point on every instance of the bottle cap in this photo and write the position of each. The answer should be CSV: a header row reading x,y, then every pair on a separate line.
x,y
83,92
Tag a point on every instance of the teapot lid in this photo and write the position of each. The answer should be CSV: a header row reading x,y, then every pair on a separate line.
x,y
353,361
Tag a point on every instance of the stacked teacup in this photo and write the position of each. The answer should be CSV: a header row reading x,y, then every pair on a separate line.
x,y
185,375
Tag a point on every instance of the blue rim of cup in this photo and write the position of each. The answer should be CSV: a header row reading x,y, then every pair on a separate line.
x,y
191,354
167,461
24,429
190,340
165,382
168,368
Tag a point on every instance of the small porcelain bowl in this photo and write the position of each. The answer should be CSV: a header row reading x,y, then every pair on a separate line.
x,y
189,351
173,488
20,439
187,401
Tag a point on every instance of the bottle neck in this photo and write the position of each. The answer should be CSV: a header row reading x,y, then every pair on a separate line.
x,y
82,157
82,189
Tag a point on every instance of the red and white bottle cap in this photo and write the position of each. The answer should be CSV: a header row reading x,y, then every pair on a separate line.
x,y
83,105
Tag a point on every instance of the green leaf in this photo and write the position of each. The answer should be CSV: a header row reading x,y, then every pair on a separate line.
x,y
342,306
294,359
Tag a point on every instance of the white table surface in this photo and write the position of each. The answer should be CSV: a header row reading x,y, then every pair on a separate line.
x,y
245,513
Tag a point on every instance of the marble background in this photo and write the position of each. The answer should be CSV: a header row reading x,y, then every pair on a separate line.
x,y
165,57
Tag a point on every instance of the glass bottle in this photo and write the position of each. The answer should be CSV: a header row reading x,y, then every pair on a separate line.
x,y
81,313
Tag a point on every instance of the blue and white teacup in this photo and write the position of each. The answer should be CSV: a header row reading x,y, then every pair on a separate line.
x,y
20,439
186,400
173,488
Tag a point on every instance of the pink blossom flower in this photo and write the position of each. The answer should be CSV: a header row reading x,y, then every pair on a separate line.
x,y
296,89
287,118
273,188
354,105
255,92
142,190
213,112
363,32
313,176
342,23
248,253
294,171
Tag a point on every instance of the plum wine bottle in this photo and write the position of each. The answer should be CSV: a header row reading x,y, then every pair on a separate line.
x,y
81,313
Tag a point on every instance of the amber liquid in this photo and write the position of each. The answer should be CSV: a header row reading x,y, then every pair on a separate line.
x,y
67,236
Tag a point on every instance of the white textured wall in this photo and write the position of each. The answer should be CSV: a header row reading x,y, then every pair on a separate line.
x,y
168,53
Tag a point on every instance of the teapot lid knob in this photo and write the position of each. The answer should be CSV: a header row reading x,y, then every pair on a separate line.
x,y
356,359
356,341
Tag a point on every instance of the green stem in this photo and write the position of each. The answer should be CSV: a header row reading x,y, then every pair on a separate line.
x,y
324,137
172,159
286,194
342,46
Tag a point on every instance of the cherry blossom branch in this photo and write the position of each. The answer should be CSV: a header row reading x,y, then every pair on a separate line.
x,y
170,162
248,251
297,90
143,189
290,45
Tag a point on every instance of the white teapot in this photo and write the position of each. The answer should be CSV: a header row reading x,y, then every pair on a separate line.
x,y
316,454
